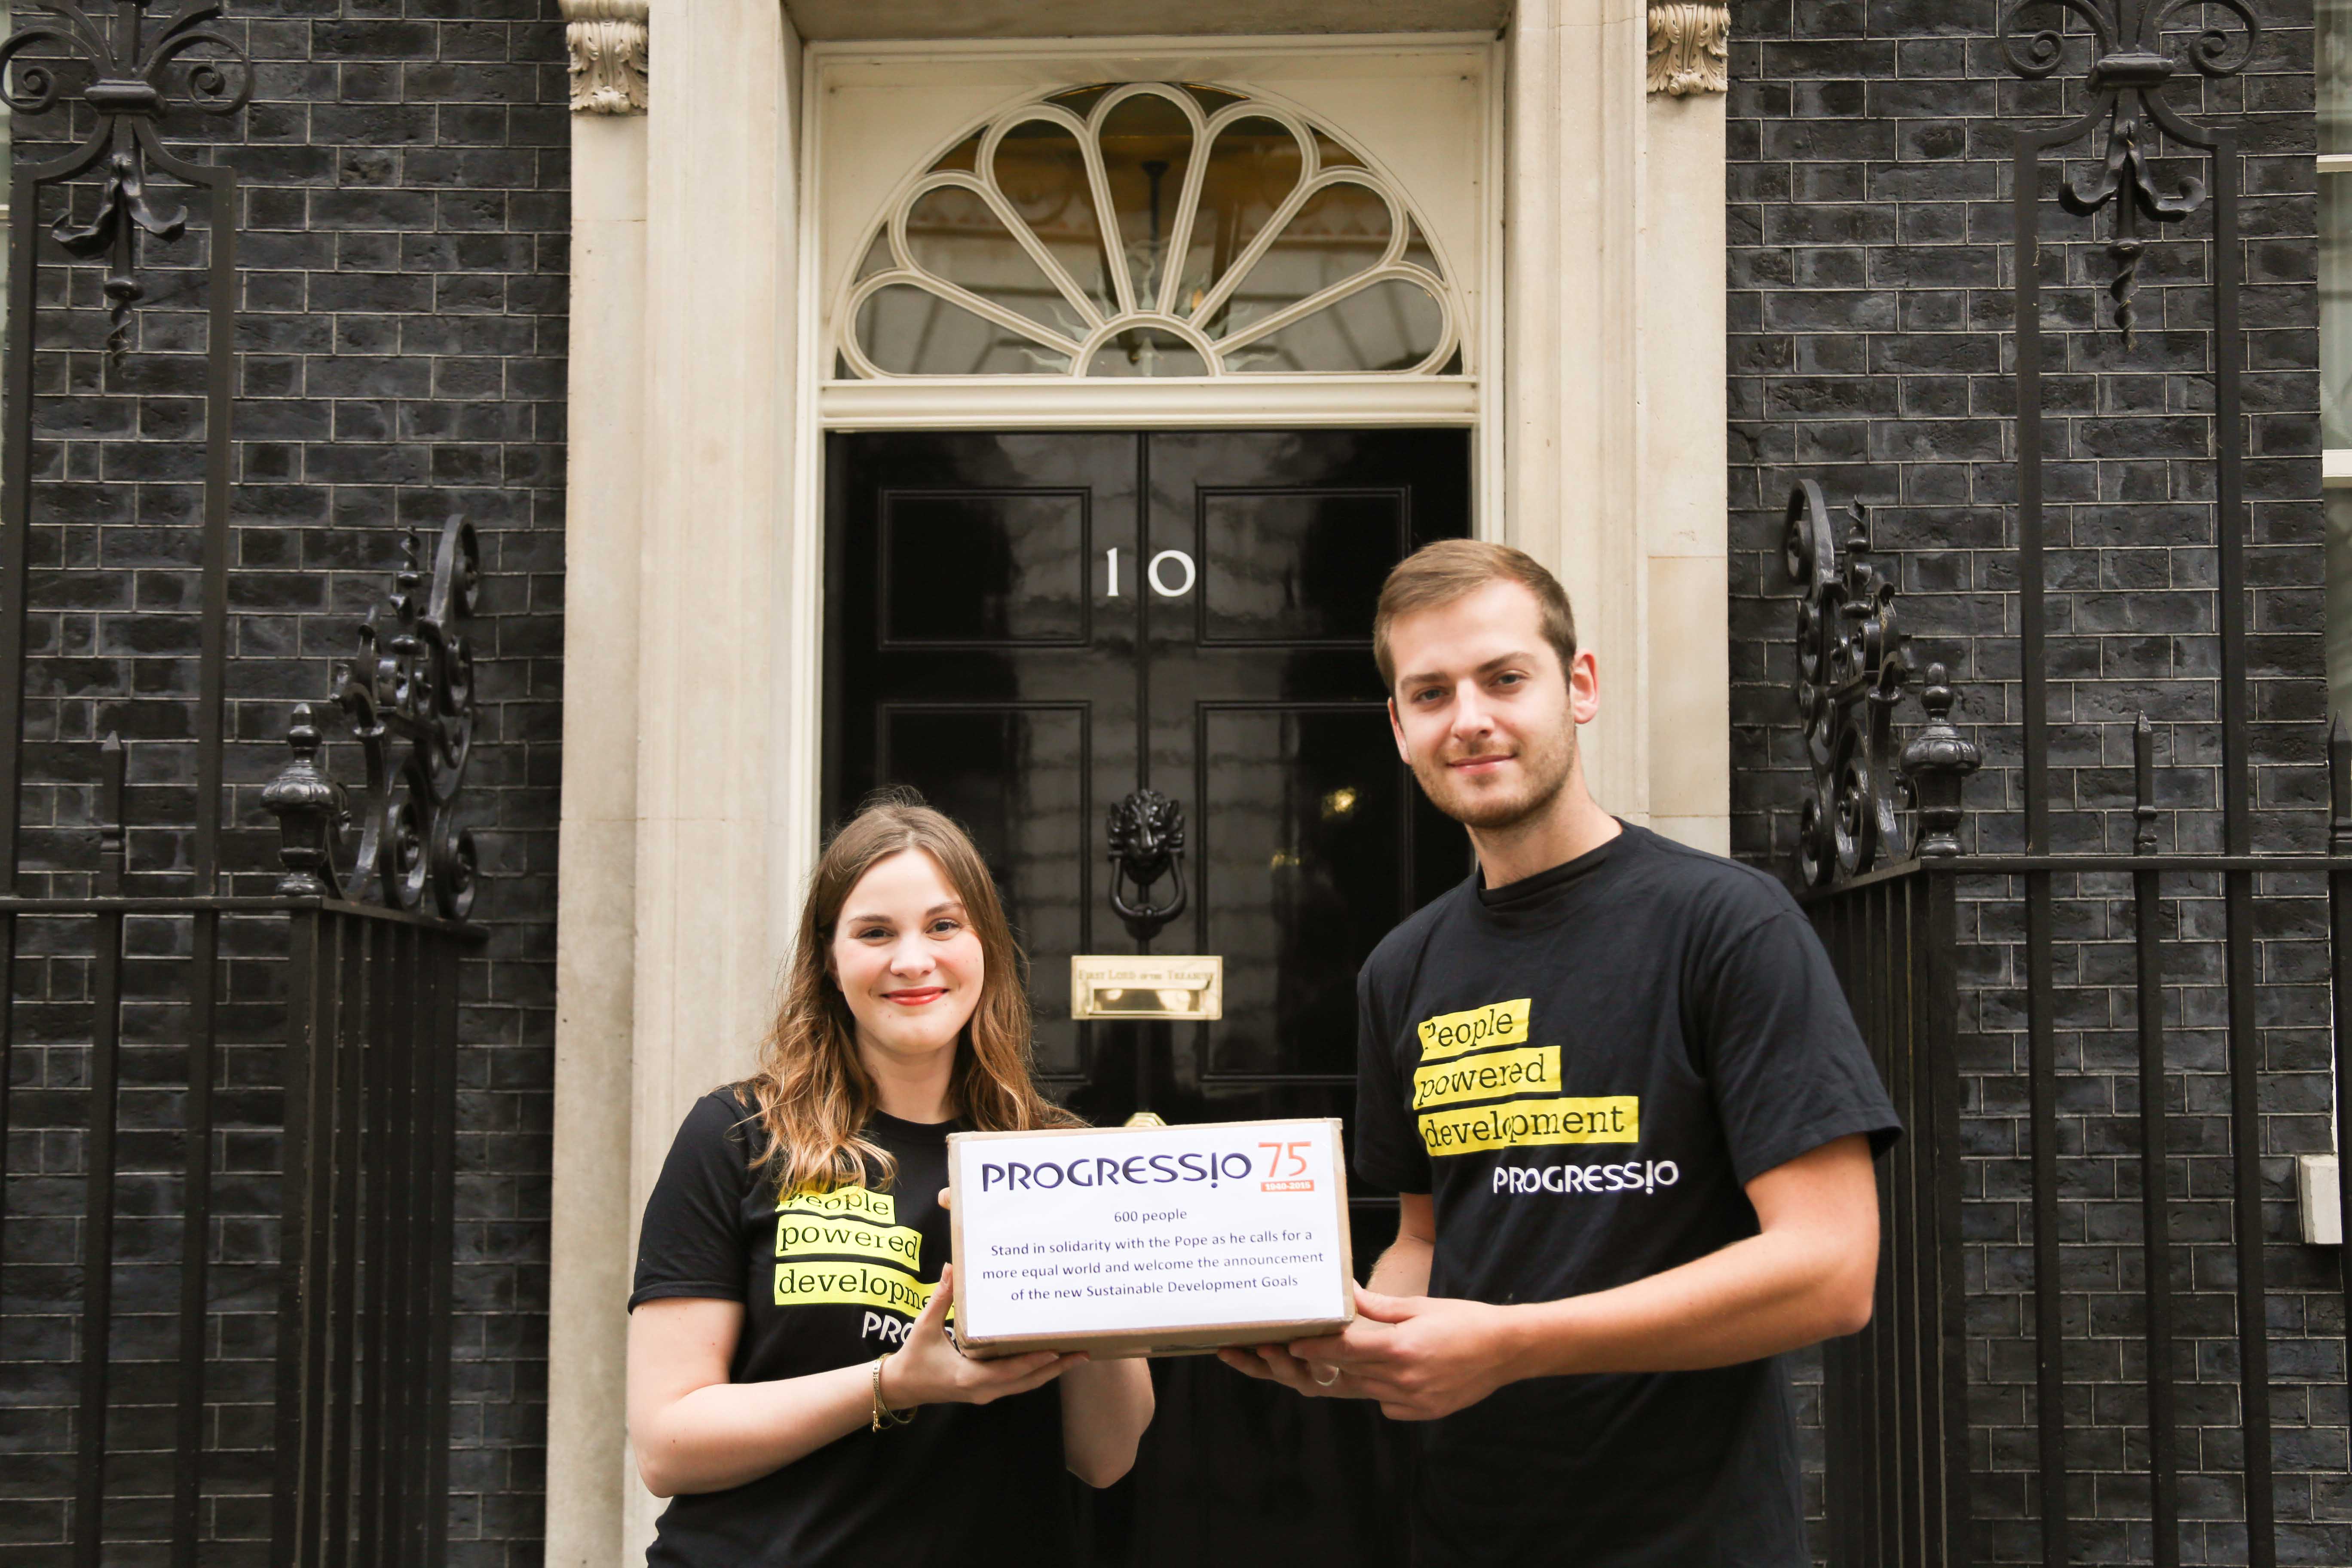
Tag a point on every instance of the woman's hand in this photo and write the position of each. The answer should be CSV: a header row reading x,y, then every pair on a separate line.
x,y
928,1369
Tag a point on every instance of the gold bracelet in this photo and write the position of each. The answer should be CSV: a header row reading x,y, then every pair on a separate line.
x,y
883,1413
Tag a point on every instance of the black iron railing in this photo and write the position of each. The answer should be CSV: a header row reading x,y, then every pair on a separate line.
x,y
228,1117
1918,929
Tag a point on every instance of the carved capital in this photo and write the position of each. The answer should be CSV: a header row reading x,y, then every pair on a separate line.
x,y
1689,47
608,44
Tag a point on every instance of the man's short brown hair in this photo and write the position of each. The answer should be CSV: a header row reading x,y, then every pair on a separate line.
x,y
1451,569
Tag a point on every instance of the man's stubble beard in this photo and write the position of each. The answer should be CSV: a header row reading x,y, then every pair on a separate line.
x,y
1548,772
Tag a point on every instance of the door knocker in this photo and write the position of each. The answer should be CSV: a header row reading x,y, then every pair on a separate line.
x,y
1147,843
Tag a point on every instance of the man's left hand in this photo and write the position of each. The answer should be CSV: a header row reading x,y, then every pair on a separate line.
x,y
1421,1356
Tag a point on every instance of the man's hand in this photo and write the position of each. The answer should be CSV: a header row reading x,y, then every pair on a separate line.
x,y
1421,1356
1808,1276
1275,1364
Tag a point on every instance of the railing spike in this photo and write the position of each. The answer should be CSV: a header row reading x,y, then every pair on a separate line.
x,y
112,832
2339,784
2143,787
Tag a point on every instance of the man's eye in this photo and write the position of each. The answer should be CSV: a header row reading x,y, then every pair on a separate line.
x,y
1510,679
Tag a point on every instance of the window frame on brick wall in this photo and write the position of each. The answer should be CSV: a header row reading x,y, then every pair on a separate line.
x,y
2334,173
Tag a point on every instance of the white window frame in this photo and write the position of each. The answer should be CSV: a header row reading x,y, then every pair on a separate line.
x,y
2335,462
995,75
1097,326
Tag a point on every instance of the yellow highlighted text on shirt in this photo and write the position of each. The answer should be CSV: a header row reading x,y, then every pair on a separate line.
x,y
862,1201
852,1285
1610,1119
814,1235
1483,1077
1496,1024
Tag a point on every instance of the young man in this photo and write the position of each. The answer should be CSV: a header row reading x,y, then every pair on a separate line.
x,y
1622,1097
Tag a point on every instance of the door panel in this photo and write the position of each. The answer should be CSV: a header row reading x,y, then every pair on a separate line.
x,y
984,568
1016,778
1296,567
973,654
1027,627
1302,809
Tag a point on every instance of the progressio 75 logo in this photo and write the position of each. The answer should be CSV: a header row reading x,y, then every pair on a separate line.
x,y
1286,1170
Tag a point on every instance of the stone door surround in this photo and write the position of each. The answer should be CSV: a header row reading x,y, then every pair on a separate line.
x,y
688,814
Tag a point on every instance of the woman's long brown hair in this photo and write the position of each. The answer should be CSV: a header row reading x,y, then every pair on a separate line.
x,y
811,1094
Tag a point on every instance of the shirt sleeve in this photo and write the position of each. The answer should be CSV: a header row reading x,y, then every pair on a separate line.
x,y
1389,1152
691,1244
1789,1070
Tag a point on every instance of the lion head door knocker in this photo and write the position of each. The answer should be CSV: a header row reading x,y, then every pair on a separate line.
x,y
1147,843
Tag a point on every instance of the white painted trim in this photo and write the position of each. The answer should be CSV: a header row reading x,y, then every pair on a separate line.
x,y
800,694
2336,469
2336,163
1181,47
1032,402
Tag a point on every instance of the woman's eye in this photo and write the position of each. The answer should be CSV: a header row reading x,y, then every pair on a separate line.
x,y
945,928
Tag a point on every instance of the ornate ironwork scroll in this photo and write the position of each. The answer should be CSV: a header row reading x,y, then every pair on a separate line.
x,y
1850,675
137,70
408,696
2130,70
1146,836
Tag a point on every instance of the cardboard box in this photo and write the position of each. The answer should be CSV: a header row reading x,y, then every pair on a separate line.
x,y
1124,1241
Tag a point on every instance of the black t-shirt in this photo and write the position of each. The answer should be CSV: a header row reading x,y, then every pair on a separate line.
x,y
830,1280
1584,1070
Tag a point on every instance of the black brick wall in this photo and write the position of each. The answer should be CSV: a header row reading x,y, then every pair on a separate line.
x,y
1870,311
403,317
402,241
406,236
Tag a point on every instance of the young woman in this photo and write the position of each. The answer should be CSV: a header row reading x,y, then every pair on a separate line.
x,y
792,1383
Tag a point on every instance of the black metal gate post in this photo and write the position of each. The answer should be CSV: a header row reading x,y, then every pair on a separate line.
x,y
1896,1409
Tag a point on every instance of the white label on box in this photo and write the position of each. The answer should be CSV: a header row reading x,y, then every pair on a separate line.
x,y
1168,1228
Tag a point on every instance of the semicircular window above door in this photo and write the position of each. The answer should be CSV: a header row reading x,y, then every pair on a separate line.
x,y
1148,229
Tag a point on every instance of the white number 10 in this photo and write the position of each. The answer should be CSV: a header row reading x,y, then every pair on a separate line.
x,y
1183,562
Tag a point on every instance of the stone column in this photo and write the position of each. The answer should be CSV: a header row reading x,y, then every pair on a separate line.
x,y
719,270
682,260
596,866
1685,414
1614,297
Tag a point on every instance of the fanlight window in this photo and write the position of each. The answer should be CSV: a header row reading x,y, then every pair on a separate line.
x,y
1149,231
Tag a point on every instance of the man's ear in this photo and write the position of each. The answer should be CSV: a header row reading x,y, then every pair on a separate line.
x,y
1396,728
1584,687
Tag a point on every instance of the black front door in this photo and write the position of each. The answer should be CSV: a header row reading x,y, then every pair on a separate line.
x,y
1027,628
